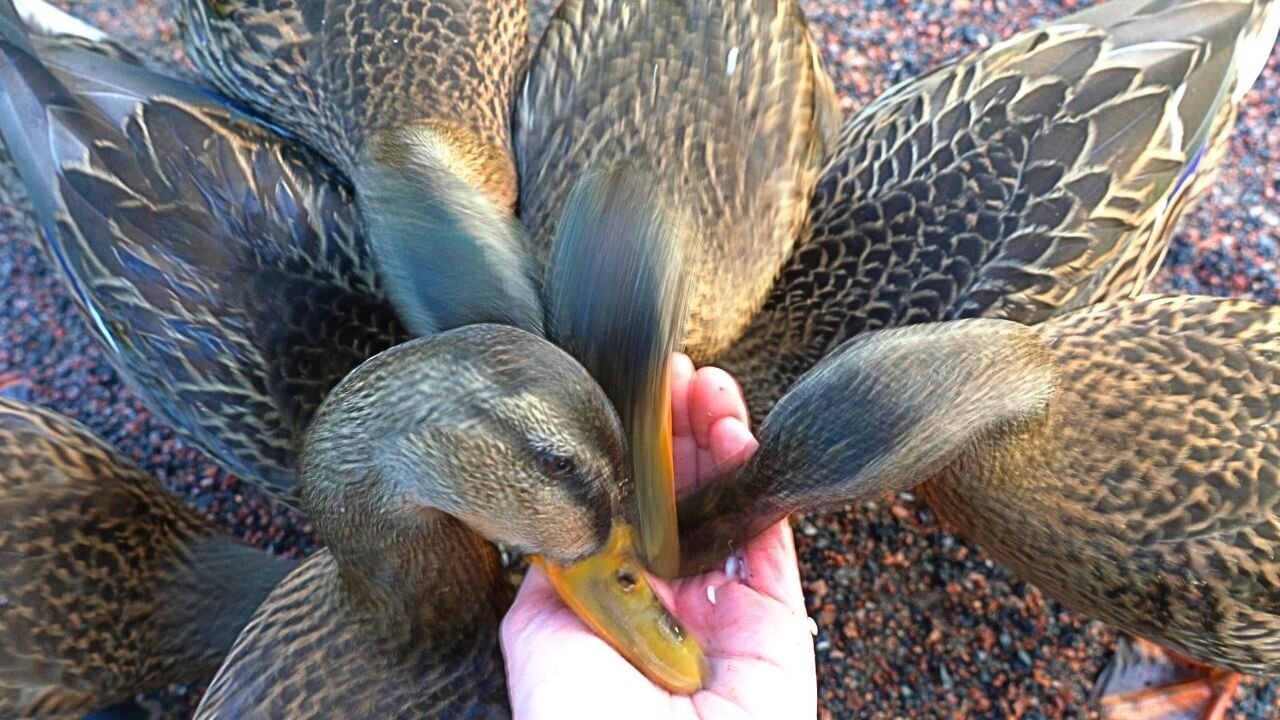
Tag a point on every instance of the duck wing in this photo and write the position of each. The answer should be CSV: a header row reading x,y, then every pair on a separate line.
x,y
336,71
1029,179
220,265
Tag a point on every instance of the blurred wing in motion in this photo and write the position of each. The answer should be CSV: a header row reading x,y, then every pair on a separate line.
x,y
617,300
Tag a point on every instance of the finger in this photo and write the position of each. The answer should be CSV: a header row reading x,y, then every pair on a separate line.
x,y
684,448
772,567
732,444
682,374
715,395
687,464
534,601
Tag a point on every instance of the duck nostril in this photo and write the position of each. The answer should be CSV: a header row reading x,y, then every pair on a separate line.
x,y
673,628
626,581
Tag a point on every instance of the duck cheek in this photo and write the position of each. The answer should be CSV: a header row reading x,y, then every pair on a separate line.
x,y
571,524
573,536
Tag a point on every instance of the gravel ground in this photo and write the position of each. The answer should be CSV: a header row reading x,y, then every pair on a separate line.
x,y
913,621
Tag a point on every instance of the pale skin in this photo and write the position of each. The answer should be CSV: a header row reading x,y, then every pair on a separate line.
x,y
756,635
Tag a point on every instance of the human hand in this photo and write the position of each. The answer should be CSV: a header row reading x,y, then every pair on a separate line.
x,y
752,627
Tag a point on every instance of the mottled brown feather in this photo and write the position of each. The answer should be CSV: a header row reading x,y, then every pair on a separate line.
x,y
108,585
338,72
310,654
1149,497
411,100
1033,177
724,102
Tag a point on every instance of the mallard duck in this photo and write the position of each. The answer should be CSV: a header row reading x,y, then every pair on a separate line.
x,y
109,586
1124,457
412,102
1034,177
227,293
484,427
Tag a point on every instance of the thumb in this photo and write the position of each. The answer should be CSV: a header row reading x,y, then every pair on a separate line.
x,y
535,603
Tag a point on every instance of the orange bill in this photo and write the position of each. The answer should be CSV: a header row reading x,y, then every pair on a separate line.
x,y
612,595
654,466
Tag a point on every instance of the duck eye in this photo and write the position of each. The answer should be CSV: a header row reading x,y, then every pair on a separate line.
x,y
557,465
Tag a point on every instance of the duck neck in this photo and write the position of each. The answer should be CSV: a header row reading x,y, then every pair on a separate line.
x,y
413,571
996,483
211,592
433,150
437,203
884,413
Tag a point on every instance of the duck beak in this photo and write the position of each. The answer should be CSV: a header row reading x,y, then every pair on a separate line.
x,y
612,595
654,468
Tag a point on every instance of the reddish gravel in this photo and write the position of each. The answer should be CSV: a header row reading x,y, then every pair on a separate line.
x,y
913,622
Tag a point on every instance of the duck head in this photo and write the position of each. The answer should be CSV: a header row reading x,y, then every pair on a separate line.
x,y
437,206
884,412
506,433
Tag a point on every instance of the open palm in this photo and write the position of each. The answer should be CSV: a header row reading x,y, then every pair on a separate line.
x,y
755,633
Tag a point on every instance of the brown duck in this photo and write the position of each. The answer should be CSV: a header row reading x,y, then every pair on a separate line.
x,y
1124,457
109,585
411,101
216,287
482,429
